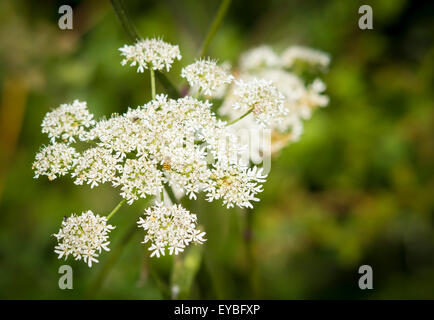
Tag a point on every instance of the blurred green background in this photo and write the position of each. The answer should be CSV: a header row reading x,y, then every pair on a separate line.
x,y
357,189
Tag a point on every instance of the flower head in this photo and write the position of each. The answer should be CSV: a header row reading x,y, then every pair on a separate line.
x,y
236,184
207,76
67,121
179,142
83,236
262,98
172,228
138,178
150,54
311,56
96,165
259,57
54,160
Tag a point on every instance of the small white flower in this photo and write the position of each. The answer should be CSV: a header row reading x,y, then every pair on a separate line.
x,y
300,101
235,184
67,121
118,134
312,98
83,237
311,56
263,98
259,57
150,54
139,178
54,160
206,75
96,165
172,228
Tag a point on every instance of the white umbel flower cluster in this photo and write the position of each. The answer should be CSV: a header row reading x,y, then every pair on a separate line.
x,y
83,237
207,76
67,121
54,160
235,184
139,178
177,143
263,98
150,54
311,56
300,98
170,228
96,165
258,58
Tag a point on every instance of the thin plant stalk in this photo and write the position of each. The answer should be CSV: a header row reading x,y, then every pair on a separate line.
x,y
241,117
116,209
127,24
214,26
151,71
170,193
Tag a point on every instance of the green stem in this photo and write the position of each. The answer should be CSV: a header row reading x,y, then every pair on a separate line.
x,y
198,93
116,209
125,21
241,117
170,193
251,271
132,33
214,26
171,90
152,82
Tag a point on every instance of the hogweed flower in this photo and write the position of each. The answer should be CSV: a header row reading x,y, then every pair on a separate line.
x,y
152,54
54,160
178,143
67,121
311,56
259,57
262,98
139,178
96,165
300,99
314,96
235,184
172,228
207,76
83,237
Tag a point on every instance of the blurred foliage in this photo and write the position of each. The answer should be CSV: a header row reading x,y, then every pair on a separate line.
x,y
357,189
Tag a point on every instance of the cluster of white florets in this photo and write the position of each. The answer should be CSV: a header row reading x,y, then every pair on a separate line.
x,y
263,98
54,160
83,237
67,122
205,75
96,165
150,54
299,98
139,178
177,143
235,184
308,55
170,227
259,58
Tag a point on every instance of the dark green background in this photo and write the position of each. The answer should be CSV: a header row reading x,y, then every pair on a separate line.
x,y
357,189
